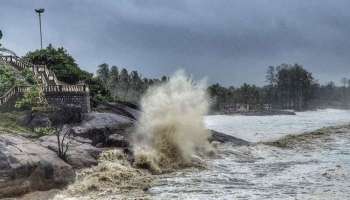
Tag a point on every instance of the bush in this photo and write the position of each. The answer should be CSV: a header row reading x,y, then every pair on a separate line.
x,y
34,97
28,76
42,131
7,79
60,62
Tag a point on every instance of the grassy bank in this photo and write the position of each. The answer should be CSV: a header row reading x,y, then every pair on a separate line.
x,y
9,123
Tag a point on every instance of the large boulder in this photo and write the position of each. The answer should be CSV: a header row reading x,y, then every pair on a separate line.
x,y
26,166
80,154
105,129
66,114
120,108
35,120
224,138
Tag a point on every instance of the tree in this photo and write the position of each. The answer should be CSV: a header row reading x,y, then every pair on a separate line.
x,y
7,79
103,73
344,81
98,91
113,82
60,62
0,36
294,86
124,82
32,98
64,140
4,49
271,76
271,87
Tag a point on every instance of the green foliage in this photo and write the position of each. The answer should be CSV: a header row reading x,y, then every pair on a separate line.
x,y
98,90
7,79
246,94
112,84
42,131
28,76
292,86
9,123
60,62
32,98
289,87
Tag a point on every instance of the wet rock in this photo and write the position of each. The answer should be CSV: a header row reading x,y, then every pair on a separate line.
x,y
35,120
122,108
98,127
268,113
26,166
66,114
117,140
80,154
224,138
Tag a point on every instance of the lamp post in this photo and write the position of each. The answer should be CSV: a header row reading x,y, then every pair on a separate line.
x,y
40,11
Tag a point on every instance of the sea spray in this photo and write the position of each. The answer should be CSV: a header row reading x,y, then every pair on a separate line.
x,y
112,178
171,131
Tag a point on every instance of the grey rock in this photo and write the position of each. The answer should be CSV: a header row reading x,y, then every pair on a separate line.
x,y
117,140
98,127
26,166
35,120
224,138
125,109
66,114
80,154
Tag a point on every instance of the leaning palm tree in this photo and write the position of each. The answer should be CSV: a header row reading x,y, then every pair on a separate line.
x,y
5,50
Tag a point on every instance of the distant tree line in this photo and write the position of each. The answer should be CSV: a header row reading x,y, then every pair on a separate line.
x,y
288,87
122,85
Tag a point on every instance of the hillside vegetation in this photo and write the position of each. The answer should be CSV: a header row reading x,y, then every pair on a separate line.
x,y
9,123
10,77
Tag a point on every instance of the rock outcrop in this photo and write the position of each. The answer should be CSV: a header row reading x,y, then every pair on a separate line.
x,y
224,138
105,129
35,120
80,154
26,166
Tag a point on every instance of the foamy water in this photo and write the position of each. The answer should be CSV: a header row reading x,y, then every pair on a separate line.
x,y
266,128
315,169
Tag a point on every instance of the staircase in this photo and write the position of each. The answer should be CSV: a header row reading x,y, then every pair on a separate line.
x,y
55,90
41,72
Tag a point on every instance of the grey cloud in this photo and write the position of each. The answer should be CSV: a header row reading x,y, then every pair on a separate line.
x,y
230,42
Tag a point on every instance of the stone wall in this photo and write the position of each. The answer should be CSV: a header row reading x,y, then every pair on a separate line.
x,y
78,99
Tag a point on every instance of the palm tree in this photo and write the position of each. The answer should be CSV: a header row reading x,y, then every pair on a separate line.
x,y
5,50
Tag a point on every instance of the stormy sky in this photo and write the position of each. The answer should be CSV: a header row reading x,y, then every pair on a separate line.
x,y
227,41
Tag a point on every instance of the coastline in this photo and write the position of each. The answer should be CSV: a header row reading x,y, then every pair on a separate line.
x,y
257,113
289,141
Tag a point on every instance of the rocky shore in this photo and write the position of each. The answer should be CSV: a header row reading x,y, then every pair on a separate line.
x,y
97,159
31,164
268,113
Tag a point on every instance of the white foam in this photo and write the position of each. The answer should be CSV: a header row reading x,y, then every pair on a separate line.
x,y
266,128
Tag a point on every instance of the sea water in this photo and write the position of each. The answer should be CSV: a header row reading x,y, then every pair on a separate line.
x,y
314,168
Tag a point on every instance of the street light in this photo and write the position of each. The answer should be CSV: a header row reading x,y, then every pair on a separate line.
x,y
40,11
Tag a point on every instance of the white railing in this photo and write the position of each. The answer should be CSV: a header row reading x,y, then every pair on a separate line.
x,y
12,92
44,75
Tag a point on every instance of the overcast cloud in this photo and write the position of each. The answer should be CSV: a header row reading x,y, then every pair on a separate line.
x,y
228,41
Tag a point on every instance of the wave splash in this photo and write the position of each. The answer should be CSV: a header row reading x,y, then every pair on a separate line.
x,y
171,132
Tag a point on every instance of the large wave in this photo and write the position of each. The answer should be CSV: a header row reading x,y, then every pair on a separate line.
x,y
171,132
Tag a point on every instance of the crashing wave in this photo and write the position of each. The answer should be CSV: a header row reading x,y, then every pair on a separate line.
x,y
171,132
